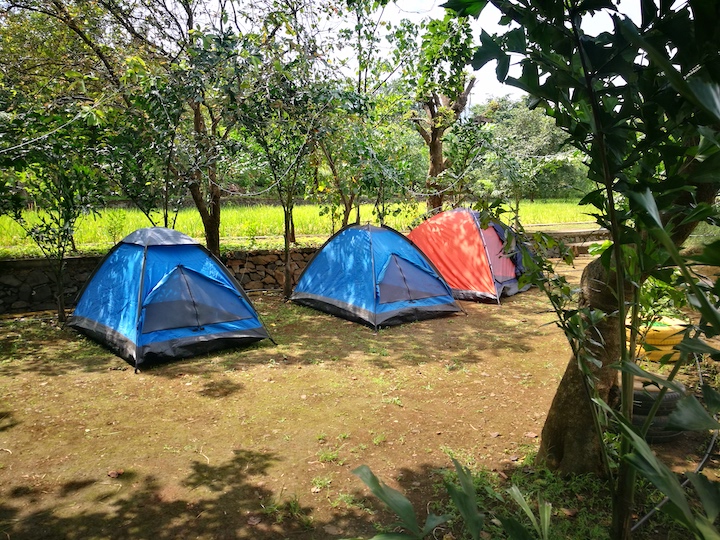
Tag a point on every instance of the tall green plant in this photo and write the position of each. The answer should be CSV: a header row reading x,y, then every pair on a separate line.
x,y
465,498
441,85
283,113
56,173
640,102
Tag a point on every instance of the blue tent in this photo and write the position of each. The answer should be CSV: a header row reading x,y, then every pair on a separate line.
x,y
373,275
159,295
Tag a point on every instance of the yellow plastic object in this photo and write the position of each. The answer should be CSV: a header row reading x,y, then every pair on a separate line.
x,y
657,356
663,334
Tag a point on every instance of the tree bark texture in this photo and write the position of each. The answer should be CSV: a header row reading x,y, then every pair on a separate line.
x,y
570,442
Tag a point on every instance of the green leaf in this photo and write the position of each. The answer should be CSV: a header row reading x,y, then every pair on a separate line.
x,y
487,51
709,135
631,367
706,529
515,530
646,201
703,94
395,500
545,511
696,345
465,500
711,398
432,522
515,40
690,415
502,68
649,12
465,8
706,170
643,459
520,499
709,493
589,6
707,94
701,212
530,79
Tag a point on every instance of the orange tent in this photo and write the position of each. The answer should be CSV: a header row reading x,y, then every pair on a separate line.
x,y
470,258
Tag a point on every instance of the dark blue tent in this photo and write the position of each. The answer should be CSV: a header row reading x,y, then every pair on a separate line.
x,y
373,275
159,295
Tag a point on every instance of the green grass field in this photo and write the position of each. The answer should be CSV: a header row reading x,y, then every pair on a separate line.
x,y
253,226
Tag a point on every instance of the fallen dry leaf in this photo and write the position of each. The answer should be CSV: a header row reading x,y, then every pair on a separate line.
x,y
115,474
254,520
569,512
494,434
531,435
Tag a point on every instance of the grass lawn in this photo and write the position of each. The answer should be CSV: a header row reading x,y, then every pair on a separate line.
x,y
252,226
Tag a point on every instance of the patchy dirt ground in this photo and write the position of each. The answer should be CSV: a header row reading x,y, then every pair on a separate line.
x,y
260,443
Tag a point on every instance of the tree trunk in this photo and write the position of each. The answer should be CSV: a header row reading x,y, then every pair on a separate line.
x,y
347,199
60,290
437,167
287,274
291,233
431,129
211,222
209,210
348,203
570,443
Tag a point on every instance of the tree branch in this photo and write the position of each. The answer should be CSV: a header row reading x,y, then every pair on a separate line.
x,y
461,102
64,15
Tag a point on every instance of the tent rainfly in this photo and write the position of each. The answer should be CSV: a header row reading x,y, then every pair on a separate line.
x,y
159,295
375,276
471,259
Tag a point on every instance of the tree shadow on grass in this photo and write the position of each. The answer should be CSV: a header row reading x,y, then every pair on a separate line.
x,y
307,336
235,505
235,495
7,420
303,336
38,345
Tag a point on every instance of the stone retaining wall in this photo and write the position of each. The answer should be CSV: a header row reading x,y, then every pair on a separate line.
x,y
27,285
580,236
578,241
265,270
